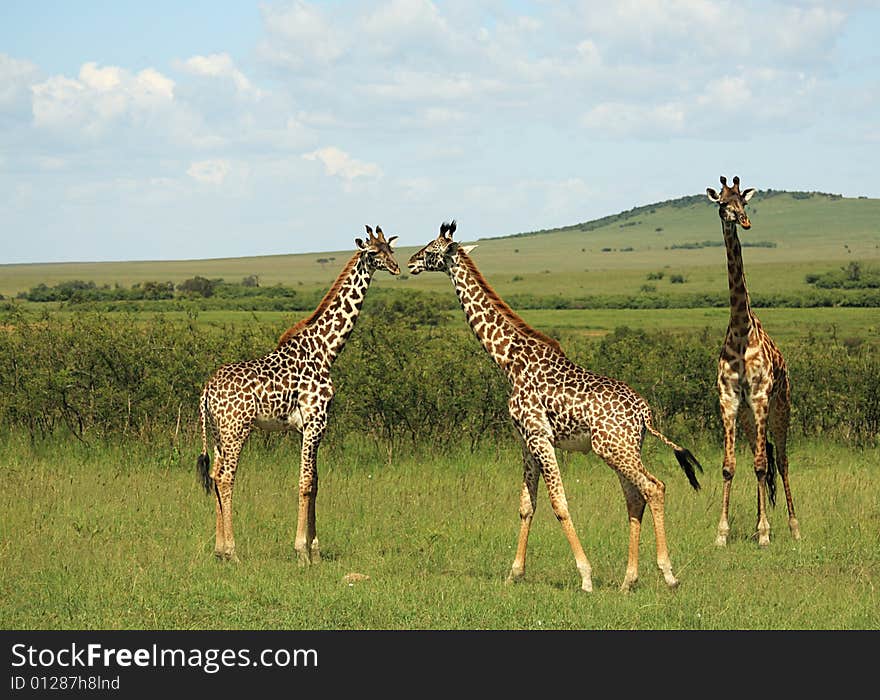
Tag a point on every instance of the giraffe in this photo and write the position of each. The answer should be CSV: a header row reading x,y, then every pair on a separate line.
x,y
289,388
752,379
555,403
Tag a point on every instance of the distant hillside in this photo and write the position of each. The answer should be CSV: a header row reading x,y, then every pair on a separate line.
x,y
638,252
678,203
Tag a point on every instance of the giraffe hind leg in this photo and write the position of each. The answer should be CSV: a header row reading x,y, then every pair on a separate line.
x,y
306,539
224,481
779,420
527,501
640,488
219,536
635,508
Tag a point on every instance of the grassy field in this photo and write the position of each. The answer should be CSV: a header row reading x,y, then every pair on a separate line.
x,y
121,537
812,235
782,323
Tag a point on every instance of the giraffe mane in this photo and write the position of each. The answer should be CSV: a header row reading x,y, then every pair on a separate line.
x,y
502,307
331,294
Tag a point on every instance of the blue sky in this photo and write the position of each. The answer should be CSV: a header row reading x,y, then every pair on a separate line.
x,y
178,130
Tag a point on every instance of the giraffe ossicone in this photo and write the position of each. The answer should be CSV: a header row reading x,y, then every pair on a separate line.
x,y
289,388
752,381
556,404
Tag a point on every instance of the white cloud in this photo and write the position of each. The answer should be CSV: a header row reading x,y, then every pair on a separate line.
x,y
338,163
99,97
221,65
211,172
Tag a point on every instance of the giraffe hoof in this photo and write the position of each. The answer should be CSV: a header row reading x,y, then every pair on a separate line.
x,y
795,529
514,577
628,585
721,541
304,557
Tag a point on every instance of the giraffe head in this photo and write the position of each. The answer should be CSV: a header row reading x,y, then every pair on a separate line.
x,y
440,254
731,202
378,252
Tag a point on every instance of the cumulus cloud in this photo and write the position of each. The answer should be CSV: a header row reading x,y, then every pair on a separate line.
x,y
98,97
338,163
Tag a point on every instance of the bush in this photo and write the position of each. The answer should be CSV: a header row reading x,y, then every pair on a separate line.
x,y
408,376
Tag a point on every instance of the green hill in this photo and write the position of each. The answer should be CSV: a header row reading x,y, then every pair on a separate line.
x,y
793,234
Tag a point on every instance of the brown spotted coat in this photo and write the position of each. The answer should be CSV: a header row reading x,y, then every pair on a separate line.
x,y
752,380
289,388
554,403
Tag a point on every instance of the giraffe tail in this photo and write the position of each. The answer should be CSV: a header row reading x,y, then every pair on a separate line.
x,y
684,456
204,461
771,474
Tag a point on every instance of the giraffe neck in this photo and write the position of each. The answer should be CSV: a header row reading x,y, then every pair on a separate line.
x,y
332,321
740,305
501,332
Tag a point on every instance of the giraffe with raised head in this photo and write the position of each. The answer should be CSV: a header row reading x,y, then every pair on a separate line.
x,y
555,403
290,388
752,379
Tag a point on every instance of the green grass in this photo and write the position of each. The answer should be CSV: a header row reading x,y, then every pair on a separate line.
x,y
782,323
120,536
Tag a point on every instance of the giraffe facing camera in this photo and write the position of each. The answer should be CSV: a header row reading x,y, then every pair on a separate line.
x,y
753,383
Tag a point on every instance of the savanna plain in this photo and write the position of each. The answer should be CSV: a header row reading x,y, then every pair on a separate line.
x,y
103,524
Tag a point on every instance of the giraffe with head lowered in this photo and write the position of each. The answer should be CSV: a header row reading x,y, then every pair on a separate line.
x,y
290,388
752,379
555,403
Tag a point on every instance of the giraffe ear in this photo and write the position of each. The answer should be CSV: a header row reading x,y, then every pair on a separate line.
x,y
468,248
360,243
391,242
713,195
747,195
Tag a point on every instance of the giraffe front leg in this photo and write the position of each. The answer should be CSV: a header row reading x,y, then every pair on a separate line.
x,y
729,401
544,455
527,502
759,411
306,541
